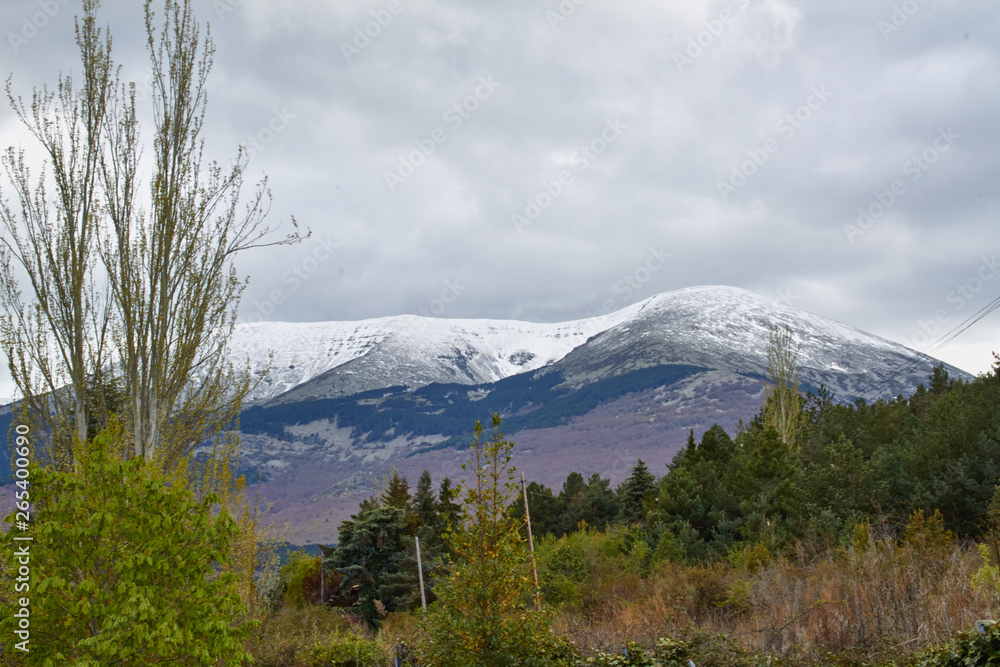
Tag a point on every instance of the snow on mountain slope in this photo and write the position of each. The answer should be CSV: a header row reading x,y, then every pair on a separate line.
x,y
403,350
729,328
710,326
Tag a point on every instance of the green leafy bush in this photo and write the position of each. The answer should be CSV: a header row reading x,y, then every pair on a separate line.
x,y
974,648
347,651
123,567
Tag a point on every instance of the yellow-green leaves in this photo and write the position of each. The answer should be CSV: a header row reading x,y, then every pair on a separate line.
x,y
122,568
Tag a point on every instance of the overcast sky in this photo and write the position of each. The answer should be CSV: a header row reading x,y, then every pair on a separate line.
x,y
547,161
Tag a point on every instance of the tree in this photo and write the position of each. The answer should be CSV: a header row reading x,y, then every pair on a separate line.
x,y
397,494
483,616
171,273
168,304
57,339
424,503
372,558
782,403
636,491
766,477
449,511
123,567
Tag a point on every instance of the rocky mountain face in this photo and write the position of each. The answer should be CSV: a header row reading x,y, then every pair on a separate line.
x,y
346,402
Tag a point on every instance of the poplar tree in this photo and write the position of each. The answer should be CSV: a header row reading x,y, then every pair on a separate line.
x,y
782,402
174,284
127,289
55,336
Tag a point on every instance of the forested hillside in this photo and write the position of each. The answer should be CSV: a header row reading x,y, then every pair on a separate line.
x,y
862,533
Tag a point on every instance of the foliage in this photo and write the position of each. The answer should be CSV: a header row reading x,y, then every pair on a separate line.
x,y
987,578
372,557
483,616
123,566
782,408
315,635
969,649
300,576
347,650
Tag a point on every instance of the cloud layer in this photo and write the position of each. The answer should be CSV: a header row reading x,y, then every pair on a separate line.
x,y
545,161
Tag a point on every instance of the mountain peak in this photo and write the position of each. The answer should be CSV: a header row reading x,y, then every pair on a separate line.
x,y
713,326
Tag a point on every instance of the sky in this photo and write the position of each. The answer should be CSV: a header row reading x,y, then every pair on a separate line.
x,y
549,161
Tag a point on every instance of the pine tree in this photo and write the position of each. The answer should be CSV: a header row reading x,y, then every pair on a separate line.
x,y
636,490
425,505
397,494
449,511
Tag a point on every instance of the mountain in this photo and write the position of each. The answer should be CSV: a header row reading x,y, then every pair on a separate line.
x,y
716,327
346,402
329,359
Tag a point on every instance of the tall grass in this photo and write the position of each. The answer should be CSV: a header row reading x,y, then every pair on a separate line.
x,y
876,600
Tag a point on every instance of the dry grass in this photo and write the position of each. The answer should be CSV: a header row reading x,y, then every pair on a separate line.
x,y
877,601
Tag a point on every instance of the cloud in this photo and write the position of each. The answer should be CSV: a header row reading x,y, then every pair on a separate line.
x,y
752,76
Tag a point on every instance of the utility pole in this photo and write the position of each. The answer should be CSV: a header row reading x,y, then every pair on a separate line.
x,y
420,575
531,545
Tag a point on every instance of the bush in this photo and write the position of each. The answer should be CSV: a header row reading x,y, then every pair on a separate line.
x,y
974,648
123,567
348,651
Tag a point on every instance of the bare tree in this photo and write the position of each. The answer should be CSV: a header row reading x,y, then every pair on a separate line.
x,y
175,287
160,327
782,402
55,338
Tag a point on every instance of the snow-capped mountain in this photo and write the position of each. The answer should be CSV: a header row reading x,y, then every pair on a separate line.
x,y
343,358
716,327
347,402
726,328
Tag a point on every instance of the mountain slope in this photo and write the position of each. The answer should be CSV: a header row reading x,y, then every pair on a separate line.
x,y
343,358
714,327
726,328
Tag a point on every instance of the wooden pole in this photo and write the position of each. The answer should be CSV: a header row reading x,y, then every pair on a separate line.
x,y
420,575
531,545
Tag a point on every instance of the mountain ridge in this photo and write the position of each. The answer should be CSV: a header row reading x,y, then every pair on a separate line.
x,y
707,326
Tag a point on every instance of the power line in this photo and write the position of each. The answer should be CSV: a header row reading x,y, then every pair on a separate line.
x,y
877,385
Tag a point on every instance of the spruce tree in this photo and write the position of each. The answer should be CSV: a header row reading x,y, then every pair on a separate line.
x,y
636,490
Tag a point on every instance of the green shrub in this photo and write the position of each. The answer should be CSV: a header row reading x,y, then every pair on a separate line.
x,y
123,567
969,649
348,651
